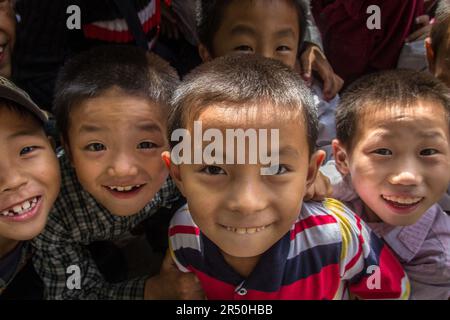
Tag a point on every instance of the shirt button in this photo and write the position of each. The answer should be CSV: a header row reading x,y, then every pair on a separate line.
x,y
242,292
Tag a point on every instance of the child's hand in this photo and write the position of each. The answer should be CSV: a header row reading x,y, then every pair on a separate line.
x,y
313,59
320,189
172,284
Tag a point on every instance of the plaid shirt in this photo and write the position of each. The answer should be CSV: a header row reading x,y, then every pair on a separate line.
x,y
75,221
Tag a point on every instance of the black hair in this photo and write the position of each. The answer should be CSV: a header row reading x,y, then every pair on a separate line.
x,y
210,14
386,89
240,80
93,72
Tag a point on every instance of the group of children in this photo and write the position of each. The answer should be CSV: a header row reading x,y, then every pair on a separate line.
x,y
238,234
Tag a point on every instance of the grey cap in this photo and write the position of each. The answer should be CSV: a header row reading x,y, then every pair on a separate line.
x,y
10,91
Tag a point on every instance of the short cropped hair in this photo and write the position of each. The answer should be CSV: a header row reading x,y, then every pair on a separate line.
x,y
91,73
240,80
440,29
209,15
382,90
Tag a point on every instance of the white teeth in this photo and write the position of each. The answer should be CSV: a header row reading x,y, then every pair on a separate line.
x,y
2,48
20,209
124,189
251,230
26,205
246,230
403,200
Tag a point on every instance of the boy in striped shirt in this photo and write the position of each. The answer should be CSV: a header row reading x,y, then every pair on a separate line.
x,y
245,231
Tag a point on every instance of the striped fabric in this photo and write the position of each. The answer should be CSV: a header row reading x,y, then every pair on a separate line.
x,y
328,254
111,27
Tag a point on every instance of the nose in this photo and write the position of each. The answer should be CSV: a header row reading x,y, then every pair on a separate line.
x,y
11,179
248,197
407,176
266,52
123,165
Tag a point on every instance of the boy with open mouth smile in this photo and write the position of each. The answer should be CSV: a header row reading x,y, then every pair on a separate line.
x,y
393,150
29,178
111,110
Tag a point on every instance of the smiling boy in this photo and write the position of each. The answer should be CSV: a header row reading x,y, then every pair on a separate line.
x,y
29,180
250,236
111,110
393,148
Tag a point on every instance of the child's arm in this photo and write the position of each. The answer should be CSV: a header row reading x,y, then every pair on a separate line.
x,y
367,264
69,272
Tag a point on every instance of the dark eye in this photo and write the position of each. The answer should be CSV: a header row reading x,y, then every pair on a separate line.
x,y
27,150
428,152
275,170
95,147
281,169
244,48
213,170
283,48
383,152
146,145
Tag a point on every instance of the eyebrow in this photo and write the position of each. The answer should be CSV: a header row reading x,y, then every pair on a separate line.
x,y
424,135
242,29
146,126
288,32
149,127
25,133
89,128
289,151
431,135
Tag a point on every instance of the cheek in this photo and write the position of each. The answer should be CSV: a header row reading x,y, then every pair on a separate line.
x,y
8,25
47,170
87,170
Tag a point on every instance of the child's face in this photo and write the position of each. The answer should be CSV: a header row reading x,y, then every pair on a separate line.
x,y
400,162
240,210
7,37
268,28
29,176
115,143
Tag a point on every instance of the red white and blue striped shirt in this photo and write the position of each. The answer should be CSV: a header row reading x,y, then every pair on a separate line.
x,y
328,253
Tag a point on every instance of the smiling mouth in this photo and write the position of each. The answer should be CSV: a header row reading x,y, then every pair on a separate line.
x,y
125,190
21,209
251,230
402,202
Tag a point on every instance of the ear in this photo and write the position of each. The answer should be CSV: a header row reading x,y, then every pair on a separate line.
x,y
204,53
341,157
174,170
314,164
431,57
